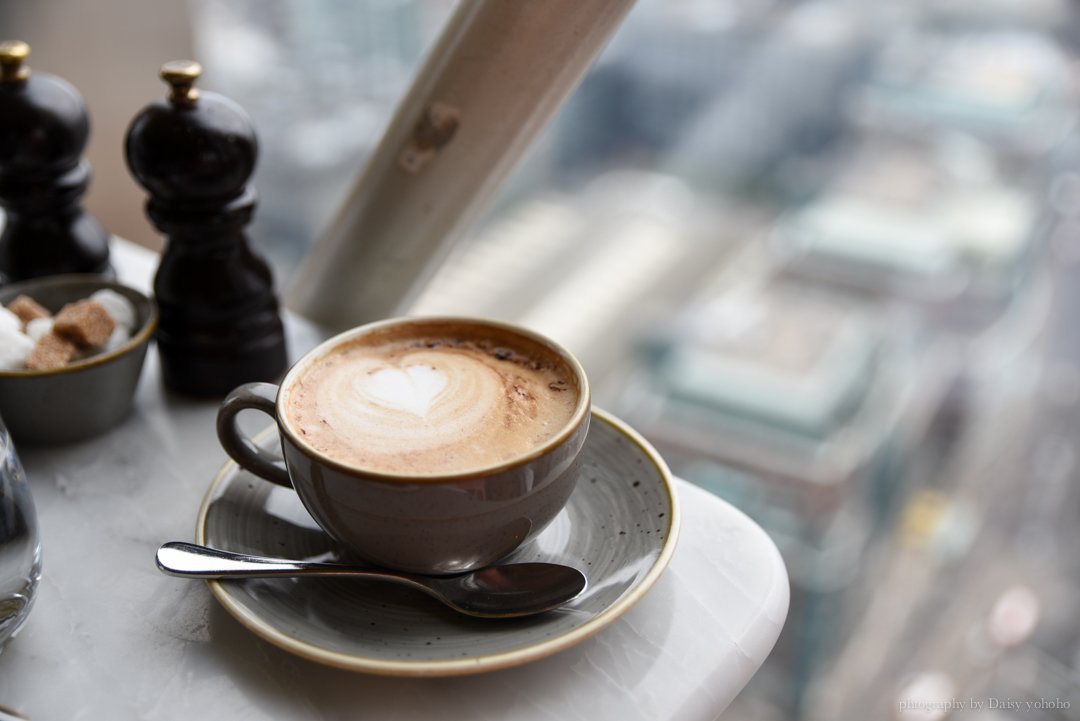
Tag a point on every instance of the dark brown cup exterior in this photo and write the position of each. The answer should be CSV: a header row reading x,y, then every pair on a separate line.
x,y
438,527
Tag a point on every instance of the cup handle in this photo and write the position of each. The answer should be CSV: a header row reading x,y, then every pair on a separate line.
x,y
248,455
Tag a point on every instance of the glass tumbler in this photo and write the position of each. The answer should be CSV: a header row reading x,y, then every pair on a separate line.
x,y
20,545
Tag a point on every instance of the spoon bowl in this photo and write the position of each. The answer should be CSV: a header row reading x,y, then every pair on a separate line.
x,y
506,591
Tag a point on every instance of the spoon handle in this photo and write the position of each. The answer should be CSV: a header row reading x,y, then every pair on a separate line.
x,y
191,561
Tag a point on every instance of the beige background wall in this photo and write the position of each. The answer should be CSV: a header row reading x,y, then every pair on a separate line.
x,y
110,50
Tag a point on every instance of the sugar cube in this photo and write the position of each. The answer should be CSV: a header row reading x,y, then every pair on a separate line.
x,y
52,351
85,323
39,327
9,319
119,337
120,308
14,348
27,309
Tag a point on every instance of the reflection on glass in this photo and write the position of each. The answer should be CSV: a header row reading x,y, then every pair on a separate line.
x,y
20,547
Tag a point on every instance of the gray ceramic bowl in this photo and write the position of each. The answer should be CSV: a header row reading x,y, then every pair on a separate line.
x,y
87,397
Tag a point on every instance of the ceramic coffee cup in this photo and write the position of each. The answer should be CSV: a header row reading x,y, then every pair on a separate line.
x,y
431,445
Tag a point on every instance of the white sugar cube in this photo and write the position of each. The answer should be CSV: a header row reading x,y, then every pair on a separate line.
x,y
14,348
119,337
39,327
9,320
120,308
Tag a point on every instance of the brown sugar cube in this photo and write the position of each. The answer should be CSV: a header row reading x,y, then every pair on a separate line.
x,y
52,351
85,323
27,309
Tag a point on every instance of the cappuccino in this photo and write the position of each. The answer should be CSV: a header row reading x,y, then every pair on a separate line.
x,y
425,403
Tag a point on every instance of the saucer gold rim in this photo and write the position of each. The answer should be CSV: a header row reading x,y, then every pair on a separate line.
x,y
475,664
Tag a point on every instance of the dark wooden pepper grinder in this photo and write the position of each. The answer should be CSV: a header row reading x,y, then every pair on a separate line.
x,y
194,153
43,131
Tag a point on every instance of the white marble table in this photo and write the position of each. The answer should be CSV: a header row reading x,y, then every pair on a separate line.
x,y
110,637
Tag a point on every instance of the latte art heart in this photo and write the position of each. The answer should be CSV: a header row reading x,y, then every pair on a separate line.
x,y
413,389
429,407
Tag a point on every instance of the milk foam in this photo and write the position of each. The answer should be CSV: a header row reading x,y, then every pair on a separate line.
x,y
405,407
413,389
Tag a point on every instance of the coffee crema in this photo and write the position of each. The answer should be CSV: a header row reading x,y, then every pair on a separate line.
x,y
430,405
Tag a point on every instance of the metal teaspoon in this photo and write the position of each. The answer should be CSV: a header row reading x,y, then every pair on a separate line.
x,y
516,589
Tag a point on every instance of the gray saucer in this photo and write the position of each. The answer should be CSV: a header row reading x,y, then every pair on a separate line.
x,y
619,527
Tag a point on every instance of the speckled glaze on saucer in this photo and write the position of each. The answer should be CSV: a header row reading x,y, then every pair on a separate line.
x,y
620,527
